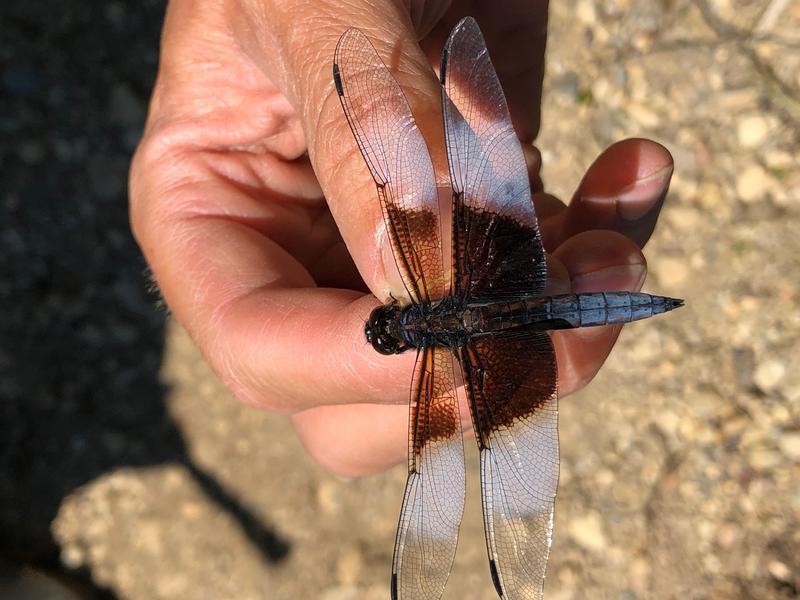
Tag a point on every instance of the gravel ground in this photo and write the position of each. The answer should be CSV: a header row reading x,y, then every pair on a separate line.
x,y
126,470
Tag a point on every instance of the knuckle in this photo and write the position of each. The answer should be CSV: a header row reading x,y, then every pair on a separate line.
x,y
143,179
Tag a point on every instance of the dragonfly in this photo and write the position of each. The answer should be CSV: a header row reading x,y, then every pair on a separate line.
x,y
476,310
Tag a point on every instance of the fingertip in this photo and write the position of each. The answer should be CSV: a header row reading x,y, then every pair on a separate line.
x,y
354,440
623,190
628,178
623,164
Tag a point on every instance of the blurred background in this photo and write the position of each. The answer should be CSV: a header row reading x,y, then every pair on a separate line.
x,y
127,471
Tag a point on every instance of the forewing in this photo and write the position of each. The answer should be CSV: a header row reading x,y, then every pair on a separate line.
x,y
511,385
398,159
434,498
497,247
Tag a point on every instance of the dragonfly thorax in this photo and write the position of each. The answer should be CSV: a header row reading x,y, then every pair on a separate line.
x,y
392,329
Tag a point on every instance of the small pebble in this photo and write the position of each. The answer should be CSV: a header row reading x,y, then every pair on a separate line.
x,y
73,556
643,115
349,566
768,374
789,443
671,272
586,13
779,571
587,531
752,130
753,184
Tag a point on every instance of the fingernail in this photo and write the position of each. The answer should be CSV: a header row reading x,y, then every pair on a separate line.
x,y
636,200
623,277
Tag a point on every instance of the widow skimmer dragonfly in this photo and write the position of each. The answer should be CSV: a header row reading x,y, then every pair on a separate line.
x,y
484,308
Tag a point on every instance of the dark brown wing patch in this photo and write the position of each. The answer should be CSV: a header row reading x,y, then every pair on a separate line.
x,y
496,256
434,406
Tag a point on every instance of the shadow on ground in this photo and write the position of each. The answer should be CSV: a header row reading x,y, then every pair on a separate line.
x,y
81,342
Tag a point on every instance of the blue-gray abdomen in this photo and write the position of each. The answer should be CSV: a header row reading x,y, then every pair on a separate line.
x,y
607,308
568,311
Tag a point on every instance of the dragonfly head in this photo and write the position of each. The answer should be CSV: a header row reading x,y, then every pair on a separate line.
x,y
380,328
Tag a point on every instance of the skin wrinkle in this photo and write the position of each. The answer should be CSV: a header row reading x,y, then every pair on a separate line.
x,y
169,134
151,153
191,210
372,386
273,327
248,223
251,382
258,186
252,31
168,145
180,201
339,169
617,269
325,111
363,188
285,140
255,96
222,164
375,362
311,104
271,128
232,295
200,109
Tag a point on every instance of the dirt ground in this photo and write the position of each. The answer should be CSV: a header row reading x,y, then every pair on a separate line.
x,y
127,471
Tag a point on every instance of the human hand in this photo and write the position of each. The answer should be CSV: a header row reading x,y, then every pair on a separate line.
x,y
261,224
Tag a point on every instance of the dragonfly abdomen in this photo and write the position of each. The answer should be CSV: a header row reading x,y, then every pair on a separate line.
x,y
569,311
